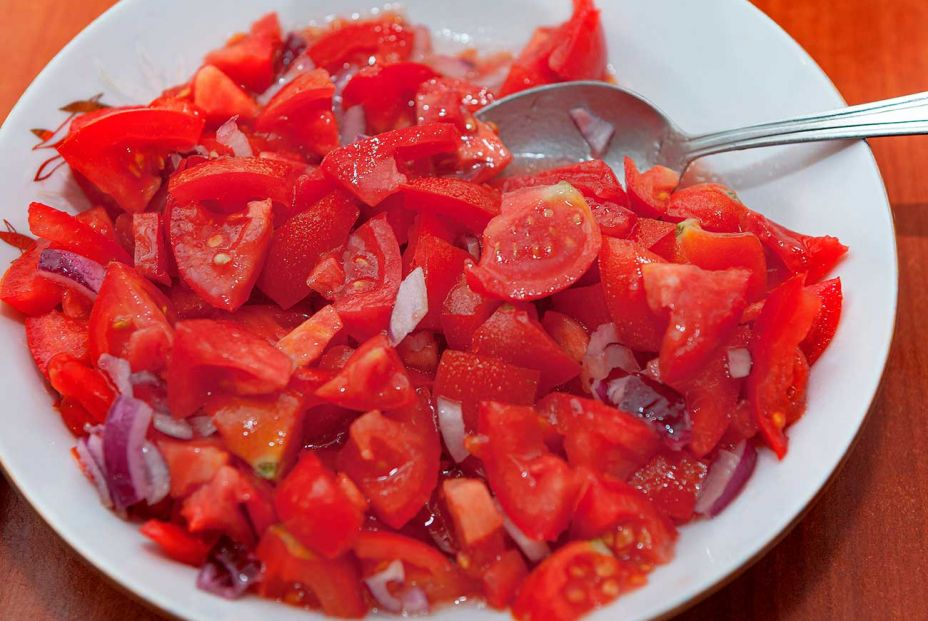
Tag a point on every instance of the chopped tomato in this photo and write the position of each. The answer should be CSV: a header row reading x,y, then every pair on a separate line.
x,y
191,463
649,192
151,255
714,206
719,251
306,343
373,377
220,98
826,321
302,110
471,378
177,543
656,236
536,489
387,93
711,397
24,289
801,254
621,263
705,308
54,333
775,390
122,153
442,265
482,155
393,459
220,256
229,184
672,481
250,59
462,312
585,304
68,233
85,385
100,221
216,506
472,509
594,179
542,242
568,333
502,579
387,40
448,100
220,355
466,203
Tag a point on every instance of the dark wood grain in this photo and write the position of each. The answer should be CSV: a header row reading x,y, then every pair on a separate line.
x,y
858,554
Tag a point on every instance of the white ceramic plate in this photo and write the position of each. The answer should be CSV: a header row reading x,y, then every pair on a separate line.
x,y
709,65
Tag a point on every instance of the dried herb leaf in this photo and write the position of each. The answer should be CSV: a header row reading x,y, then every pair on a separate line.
x,y
42,134
84,105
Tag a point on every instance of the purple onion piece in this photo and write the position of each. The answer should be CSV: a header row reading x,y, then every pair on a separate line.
x,y
656,403
229,571
123,438
727,477
72,270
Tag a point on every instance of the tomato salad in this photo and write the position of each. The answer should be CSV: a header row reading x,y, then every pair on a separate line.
x,y
323,351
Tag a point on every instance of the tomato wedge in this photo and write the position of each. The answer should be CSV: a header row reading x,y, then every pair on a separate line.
x,y
69,233
542,242
373,377
220,98
826,322
151,254
463,311
24,289
302,110
719,251
250,59
466,203
620,264
387,93
649,192
229,184
716,207
55,333
387,40
671,480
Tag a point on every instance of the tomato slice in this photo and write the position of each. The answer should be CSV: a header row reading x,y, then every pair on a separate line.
x,y
655,235
68,233
442,264
585,304
302,110
210,355
316,510
711,397
55,333
719,251
530,68
387,93
122,153
305,344
393,459
373,377
177,543
191,463
705,308
229,184
471,378
126,303
369,168
151,254
250,59
373,270
514,336
542,242
826,321
502,579
649,192
776,392
568,333
100,221
576,579
385,40
24,289
581,50
620,264
216,506
294,574
220,98
463,311
716,207
220,256
466,203
83,384
536,489
448,100
472,510
671,480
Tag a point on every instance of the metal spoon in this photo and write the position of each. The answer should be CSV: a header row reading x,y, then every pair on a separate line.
x,y
537,127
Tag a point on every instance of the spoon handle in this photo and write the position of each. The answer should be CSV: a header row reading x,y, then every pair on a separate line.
x,y
901,116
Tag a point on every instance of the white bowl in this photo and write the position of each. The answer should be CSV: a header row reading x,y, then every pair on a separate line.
x,y
709,65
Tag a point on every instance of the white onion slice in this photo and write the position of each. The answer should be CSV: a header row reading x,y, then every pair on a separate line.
x,y
170,426
605,353
353,125
726,478
118,371
415,601
451,425
473,246
378,585
533,549
451,66
159,479
739,362
597,132
231,136
203,426
412,304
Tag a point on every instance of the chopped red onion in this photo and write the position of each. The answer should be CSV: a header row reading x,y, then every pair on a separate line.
x,y
203,426
145,378
159,479
229,571
231,136
604,353
727,476
379,585
353,125
597,132
451,425
118,371
94,471
123,439
170,426
412,304
415,601
739,362
451,66
72,270
533,549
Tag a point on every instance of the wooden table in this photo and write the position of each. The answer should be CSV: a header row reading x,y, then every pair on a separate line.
x,y
858,554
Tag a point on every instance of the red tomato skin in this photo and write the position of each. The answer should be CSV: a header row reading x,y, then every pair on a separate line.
x,y
366,300
100,221
813,256
705,308
305,343
471,506
536,489
393,458
316,510
290,568
620,263
649,191
442,264
373,377
470,378
502,579
784,322
463,311
714,206
250,59
216,506
544,240
23,288
387,92
594,179
711,397
468,204
581,53
220,98
151,255
191,463
826,322
228,184
585,304
515,337
671,481
569,334
530,67
81,383
125,303
297,245
719,251
656,236
54,333
177,543
66,232
387,39
302,111
211,354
